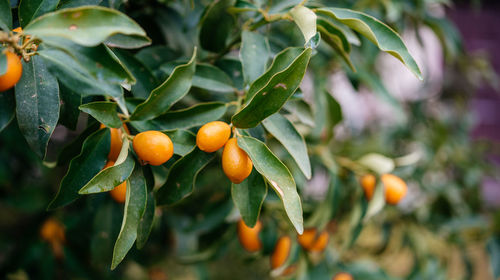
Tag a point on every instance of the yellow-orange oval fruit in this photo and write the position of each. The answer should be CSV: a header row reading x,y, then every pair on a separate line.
x,y
249,237
235,162
13,73
52,231
153,147
311,242
368,182
395,188
281,252
116,141
342,276
119,193
212,136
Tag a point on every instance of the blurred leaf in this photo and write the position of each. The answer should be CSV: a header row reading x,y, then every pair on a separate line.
x,y
108,178
106,224
7,108
377,32
83,168
242,6
233,68
104,112
37,104
168,93
146,223
31,9
5,15
301,110
64,4
377,202
248,197
73,148
278,175
216,25
493,248
356,221
377,163
333,114
134,209
146,81
127,41
186,118
272,96
305,20
254,55
88,25
153,57
70,100
284,131
182,177
184,141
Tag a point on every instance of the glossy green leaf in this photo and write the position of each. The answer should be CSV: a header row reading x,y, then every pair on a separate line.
x,y
127,41
31,9
272,96
146,222
377,32
104,112
7,108
335,37
207,77
186,118
216,25
108,178
3,62
278,176
248,196
183,140
70,100
88,25
146,81
182,177
172,90
254,55
5,15
83,168
305,20
37,104
284,131
135,204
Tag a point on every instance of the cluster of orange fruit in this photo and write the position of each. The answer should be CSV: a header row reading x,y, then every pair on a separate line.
x,y
394,187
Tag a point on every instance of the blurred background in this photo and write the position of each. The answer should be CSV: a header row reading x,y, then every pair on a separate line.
x,y
444,132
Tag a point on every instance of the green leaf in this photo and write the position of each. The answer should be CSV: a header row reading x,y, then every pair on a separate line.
x,y
168,93
135,204
31,9
7,108
254,55
333,114
207,77
153,57
284,131
305,20
83,168
5,15
37,104
104,112
146,81
376,31
377,163
127,41
70,100
108,178
3,62
105,227
335,37
301,110
87,26
73,149
182,177
183,140
248,196
493,248
376,203
146,222
186,118
278,175
272,96
74,76
77,3
216,25
232,67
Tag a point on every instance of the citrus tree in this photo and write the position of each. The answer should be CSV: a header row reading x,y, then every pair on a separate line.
x,y
196,118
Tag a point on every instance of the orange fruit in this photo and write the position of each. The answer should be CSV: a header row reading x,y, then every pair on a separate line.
x,y
342,276
153,147
235,162
368,182
310,241
212,136
249,237
395,188
13,73
119,193
281,252
116,141
52,231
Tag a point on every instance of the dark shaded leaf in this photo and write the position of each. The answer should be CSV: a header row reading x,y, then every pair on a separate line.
x,y
248,196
